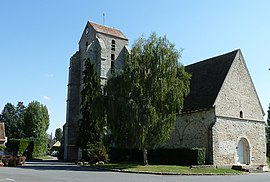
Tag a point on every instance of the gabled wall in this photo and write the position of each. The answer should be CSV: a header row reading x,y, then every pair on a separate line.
x,y
238,93
239,115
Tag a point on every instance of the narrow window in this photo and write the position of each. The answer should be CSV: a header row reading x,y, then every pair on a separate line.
x,y
86,44
241,114
112,57
112,67
113,45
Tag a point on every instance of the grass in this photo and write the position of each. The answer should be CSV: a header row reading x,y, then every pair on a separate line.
x,y
46,157
168,169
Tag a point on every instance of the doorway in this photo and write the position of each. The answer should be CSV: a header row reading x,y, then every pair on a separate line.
x,y
243,152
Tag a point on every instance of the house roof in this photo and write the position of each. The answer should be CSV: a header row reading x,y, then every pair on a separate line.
x,y
107,30
207,78
2,132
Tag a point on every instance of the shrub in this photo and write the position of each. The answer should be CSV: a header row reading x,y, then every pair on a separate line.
x,y
94,154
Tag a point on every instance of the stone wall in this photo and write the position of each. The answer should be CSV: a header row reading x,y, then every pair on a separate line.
x,y
238,94
193,130
226,134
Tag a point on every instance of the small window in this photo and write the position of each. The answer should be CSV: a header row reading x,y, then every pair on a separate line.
x,y
112,57
113,45
86,44
112,67
241,114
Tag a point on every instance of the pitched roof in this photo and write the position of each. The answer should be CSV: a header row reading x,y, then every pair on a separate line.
x,y
107,30
207,79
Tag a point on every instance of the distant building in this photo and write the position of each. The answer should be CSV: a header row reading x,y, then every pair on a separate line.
x,y
3,138
222,113
107,49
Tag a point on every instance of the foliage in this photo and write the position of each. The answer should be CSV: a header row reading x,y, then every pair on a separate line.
x,y
27,147
13,118
176,156
2,148
91,128
36,119
58,134
143,101
95,153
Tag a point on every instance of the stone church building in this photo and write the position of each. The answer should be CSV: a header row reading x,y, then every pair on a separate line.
x,y
222,113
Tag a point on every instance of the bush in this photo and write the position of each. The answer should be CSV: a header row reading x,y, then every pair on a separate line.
x,y
179,156
27,147
94,154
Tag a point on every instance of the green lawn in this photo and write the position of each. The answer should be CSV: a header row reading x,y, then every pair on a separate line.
x,y
168,169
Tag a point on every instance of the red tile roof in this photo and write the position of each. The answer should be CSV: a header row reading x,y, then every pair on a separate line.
x,y
108,30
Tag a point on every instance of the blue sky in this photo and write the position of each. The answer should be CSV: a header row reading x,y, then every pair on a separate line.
x,y
37,39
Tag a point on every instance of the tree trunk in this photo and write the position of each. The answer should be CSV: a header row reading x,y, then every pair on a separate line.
x,y
145,160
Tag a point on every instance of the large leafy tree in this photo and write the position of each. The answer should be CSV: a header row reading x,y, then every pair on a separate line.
x,y
37,120
144,100
58,134
92,123
13,117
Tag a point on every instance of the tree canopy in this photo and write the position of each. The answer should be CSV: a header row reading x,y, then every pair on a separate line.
x,y
144,100
36,120
58,134
13,117
92,123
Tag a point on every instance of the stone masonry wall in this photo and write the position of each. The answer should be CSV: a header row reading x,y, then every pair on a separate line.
x,y
193,130
238,94
226,134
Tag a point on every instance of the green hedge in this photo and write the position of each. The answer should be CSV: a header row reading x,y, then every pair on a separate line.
x,y
27,147
177,156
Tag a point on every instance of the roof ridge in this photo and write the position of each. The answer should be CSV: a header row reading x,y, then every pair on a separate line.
x,y
107,30
215,57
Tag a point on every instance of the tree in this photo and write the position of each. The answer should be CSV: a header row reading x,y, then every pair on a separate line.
x,y
9,118
36,120
144,100
58,134
13,117
92,123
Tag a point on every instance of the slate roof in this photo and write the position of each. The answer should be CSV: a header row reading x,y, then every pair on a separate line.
x,y
207,78
107,30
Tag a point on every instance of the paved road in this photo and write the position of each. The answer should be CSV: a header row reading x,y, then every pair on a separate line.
x,y
66,172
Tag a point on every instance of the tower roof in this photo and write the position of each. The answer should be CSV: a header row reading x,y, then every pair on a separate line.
x,y
107,30
206,81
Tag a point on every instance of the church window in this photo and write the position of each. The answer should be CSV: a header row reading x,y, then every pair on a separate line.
x,y
86,44
113,45
241,114
112,67
112,57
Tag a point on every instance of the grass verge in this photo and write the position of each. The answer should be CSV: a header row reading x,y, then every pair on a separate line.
x,y
168,169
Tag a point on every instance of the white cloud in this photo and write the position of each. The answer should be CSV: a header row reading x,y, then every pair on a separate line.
x,y
46,97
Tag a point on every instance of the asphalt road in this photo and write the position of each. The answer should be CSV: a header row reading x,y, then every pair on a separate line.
x,y
66,172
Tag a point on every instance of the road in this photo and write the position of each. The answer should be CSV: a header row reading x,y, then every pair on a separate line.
x,y
66,172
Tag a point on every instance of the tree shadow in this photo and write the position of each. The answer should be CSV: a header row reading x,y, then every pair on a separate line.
x,y
43,165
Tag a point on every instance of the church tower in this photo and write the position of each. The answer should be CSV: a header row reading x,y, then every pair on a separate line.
x,y
107,49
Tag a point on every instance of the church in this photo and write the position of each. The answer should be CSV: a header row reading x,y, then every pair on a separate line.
x,y
222,113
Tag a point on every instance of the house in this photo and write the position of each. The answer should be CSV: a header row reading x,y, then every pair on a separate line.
x,y
222,113
3,138
106,47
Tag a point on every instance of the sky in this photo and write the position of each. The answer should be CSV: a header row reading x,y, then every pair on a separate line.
x,y
37,39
